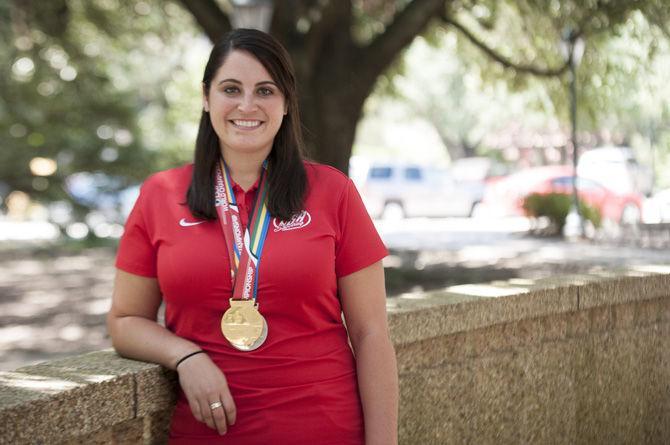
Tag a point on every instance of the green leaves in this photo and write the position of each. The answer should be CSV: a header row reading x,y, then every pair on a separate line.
x,y
555,207
82,83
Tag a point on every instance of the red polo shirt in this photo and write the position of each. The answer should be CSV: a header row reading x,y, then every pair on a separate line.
x,y
300,386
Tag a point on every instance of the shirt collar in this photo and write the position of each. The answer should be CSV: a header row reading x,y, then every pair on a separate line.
x,y
238,189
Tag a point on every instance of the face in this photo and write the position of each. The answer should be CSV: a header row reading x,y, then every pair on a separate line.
x,y
245,106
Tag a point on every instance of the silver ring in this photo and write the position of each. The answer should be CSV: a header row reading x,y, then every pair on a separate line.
x,y
215,405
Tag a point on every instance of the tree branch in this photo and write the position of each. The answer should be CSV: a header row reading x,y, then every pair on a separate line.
x,y
51,17
333,14
286,14
213,21
407,24
504,61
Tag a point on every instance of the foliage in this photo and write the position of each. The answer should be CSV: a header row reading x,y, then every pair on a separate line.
x,y
110,85
88,85
502,66
449,92
627,44
555,207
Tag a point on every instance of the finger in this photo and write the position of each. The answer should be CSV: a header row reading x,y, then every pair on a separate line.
x,y
229,407
219,416
206,412
195,409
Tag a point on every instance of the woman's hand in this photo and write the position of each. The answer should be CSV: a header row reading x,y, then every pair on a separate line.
x,y
204,384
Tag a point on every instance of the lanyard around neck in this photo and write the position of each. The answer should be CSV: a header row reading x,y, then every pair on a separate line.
x,y
243,249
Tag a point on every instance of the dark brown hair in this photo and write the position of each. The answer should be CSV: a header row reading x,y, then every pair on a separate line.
x,y
287,180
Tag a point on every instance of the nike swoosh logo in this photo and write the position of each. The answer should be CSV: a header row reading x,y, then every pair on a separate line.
x,y
185,223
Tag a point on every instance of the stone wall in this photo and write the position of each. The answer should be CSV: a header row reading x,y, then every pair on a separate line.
x,y
573,359
584,363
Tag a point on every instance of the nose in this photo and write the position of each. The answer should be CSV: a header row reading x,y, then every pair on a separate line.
x,y
247,103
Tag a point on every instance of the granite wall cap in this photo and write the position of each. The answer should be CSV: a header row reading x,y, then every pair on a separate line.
x,y
78,394
417,316
635,284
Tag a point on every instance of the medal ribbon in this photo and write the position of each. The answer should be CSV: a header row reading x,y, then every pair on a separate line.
x,y
245,250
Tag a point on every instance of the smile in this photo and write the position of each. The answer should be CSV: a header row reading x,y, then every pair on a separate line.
x,y
247,124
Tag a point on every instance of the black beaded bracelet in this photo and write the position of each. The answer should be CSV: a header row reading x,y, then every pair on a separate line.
x,y
187,356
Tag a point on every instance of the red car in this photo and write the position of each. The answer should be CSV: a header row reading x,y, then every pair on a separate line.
x,y
506,196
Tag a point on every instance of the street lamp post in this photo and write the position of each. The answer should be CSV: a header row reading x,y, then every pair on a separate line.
x,y
256,14
572,46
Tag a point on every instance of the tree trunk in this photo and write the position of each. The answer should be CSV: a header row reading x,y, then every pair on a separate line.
x,y
329,136
469,148
331,103
335,74
330,109
454,147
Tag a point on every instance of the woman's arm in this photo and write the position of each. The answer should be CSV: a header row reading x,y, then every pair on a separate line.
x,y
131,323
364,305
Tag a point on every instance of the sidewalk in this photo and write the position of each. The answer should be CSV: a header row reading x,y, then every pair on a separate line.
x,y
54,304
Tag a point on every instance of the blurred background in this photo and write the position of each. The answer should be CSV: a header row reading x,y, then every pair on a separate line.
x,y
464,124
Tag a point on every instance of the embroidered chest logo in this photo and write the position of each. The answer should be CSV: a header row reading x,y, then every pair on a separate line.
x,y
184,223
299,221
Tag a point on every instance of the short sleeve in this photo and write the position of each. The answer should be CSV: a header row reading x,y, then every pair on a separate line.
x,y
137,253
358,244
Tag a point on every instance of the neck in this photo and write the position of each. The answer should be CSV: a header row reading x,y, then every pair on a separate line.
x,y
244,169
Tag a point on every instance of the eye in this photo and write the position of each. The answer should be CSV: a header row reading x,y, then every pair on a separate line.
x,y
264,91
231,89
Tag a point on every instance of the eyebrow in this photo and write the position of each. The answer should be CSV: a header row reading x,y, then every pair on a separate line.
x,y
264,82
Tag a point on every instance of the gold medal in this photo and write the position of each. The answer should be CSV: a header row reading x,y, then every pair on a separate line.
x,y
243,326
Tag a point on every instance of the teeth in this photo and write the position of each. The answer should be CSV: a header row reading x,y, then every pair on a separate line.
x,y
248,124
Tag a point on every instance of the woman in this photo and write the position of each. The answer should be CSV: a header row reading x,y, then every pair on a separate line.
x,y
257,254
